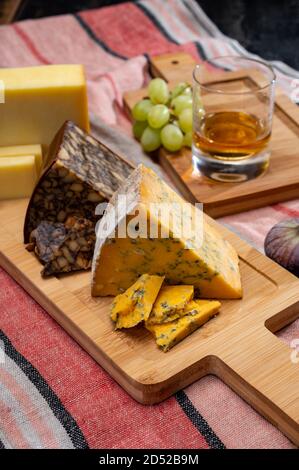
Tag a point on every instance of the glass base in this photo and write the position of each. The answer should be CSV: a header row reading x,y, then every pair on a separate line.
x,y
230,171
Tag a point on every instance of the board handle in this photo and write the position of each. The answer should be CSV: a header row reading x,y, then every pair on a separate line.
x,y
175,67
265,372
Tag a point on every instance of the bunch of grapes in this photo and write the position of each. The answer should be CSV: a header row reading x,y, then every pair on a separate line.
x,y
165,118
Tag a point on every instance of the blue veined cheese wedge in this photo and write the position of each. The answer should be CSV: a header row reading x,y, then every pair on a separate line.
x,y
212,266
197,313
170,303
135,305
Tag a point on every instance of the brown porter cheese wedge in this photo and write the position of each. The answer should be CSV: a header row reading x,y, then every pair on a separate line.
x,y
63,248
79,173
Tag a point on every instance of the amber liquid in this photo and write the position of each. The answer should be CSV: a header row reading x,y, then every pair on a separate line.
x,y
231,135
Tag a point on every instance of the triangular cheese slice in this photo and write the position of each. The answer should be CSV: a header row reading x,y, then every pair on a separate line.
x,y
135,305
169,334
170,303
211,266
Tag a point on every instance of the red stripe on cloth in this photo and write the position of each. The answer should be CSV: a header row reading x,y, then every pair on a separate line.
x,y
128,31
30,44
286,210
13,50
62,40
106,414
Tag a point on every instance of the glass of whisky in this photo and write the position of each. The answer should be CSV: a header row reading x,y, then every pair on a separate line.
x,y
233,101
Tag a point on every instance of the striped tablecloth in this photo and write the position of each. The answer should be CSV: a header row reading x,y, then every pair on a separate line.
x,y
53,394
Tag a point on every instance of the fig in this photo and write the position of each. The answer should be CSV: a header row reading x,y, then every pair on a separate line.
x,y
282,244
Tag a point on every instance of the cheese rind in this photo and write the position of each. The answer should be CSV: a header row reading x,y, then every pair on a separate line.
x,y
170,303
211,267
38,100
18,177
134,305
198,313
23,151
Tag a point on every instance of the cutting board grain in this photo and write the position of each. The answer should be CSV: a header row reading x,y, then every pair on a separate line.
x,y
279,183
238,346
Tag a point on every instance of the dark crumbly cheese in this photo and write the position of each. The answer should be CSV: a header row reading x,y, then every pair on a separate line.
x,y
80,172
63,248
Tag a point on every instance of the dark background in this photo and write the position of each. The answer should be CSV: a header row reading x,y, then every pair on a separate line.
x,y
269,28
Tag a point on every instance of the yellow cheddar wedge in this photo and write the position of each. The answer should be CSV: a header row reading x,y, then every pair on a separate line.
x,y
135,305
38,100
169,334
170,303
23,151
18,176
211,264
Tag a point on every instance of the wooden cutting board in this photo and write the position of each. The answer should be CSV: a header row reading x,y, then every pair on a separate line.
x,y
279,183
238,346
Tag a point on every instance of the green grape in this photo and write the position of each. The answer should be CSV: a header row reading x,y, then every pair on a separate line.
x,y
138,128
150,139
158,91
185,120
179,89
141,110
188,91
172,137
188,139
180,103
158,116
